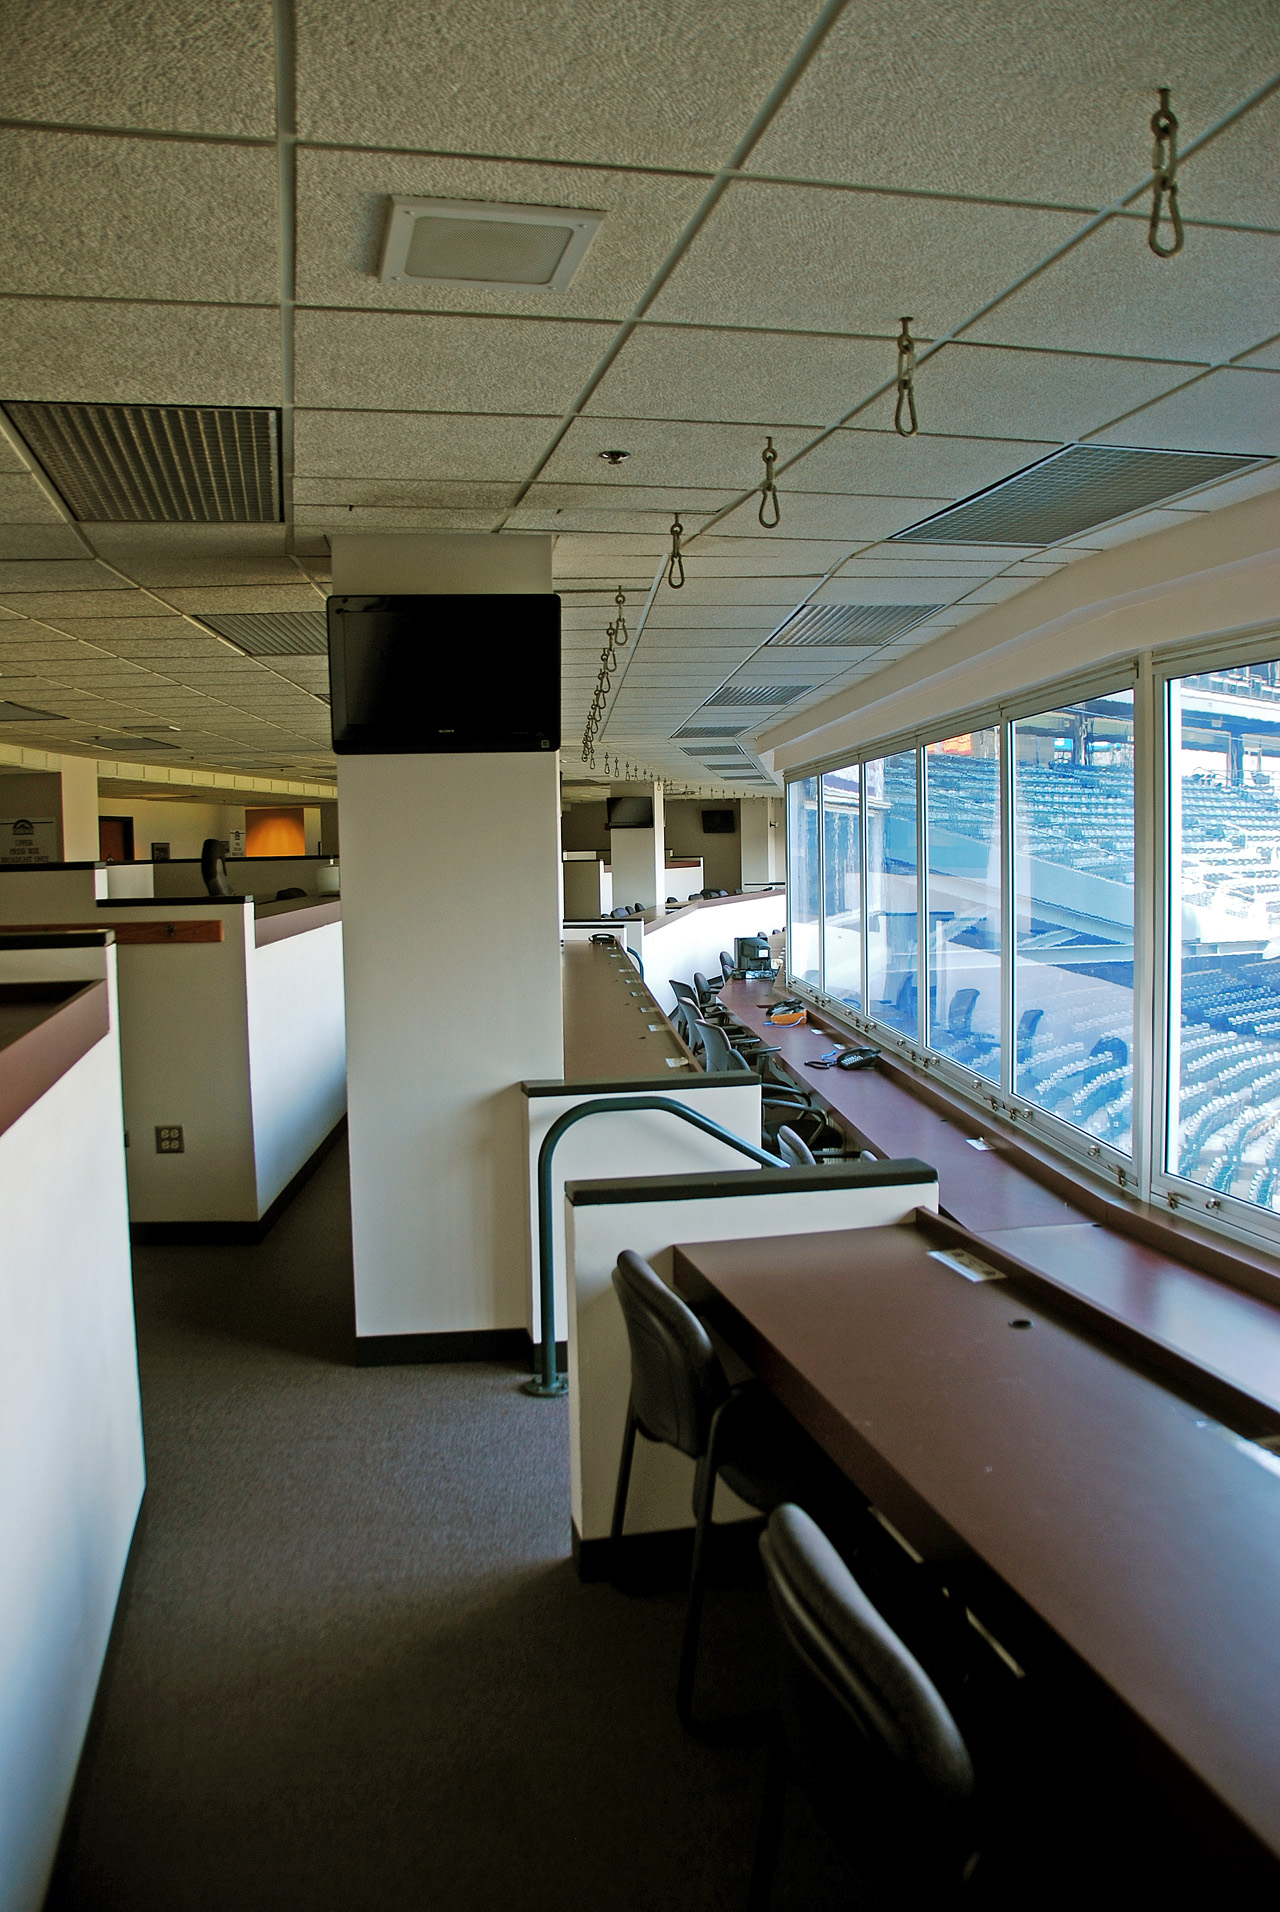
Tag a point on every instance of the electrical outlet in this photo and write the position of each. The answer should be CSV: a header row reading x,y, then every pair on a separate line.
x,y
169,1140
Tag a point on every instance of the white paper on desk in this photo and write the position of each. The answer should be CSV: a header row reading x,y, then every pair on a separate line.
x,y
965,1264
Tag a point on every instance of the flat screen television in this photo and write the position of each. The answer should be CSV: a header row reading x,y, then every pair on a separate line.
x,y
629,813
717,823
445,673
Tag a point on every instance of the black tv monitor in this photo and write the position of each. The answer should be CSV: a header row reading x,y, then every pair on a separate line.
x,y
717,823
446,673
629,813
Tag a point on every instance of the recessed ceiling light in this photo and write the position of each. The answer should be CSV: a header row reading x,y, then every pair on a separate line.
x,y
614,457
145,727
463,242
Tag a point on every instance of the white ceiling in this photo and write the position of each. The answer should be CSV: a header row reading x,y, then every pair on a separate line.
x,y
779,184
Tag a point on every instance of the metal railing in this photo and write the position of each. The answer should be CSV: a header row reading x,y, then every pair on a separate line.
x,y
547,1383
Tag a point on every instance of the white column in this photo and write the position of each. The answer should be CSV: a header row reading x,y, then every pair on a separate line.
x,y
760,824
451,930
638,858
79,810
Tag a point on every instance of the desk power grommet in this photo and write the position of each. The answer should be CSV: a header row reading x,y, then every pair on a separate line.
x,y
1020,1321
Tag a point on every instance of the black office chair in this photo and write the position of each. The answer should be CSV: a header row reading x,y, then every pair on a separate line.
x,y
289,895
681,1397
213,868
726,965
705,992
864,1732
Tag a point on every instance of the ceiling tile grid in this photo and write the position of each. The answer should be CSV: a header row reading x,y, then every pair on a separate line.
x,y
942,161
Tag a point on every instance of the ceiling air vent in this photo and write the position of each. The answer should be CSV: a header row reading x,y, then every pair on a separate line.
x,y
462,242
759,693
1071,491
729,752
126,746
852,625
158,464
709,730
19,714
272,633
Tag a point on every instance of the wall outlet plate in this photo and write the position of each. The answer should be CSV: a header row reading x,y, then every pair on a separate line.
x,y
169,1140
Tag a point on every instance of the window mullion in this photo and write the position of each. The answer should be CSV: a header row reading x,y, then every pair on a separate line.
x,y
1150,912
1008,940
922,908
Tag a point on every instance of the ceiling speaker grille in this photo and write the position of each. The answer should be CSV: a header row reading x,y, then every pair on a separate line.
x,y
1071,491
272,633
158,464
759,693
853,625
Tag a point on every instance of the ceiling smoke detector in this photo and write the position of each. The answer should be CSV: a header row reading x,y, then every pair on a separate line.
x,y
614,457
463,242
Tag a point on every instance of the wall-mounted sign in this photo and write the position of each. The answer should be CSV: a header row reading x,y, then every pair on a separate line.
x,y
235,843
28,840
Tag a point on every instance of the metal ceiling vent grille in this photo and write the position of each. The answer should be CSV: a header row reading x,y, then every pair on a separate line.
x,y
709,730
759,693
1071,491
158,464
860,626
272,633
726,753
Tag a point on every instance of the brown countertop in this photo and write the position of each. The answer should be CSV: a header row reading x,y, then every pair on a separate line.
x,y
613,1028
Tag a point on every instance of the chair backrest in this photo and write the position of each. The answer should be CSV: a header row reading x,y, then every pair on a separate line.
x,y
684,992
676,1378
726,964
716,1047
213,869
706,994
794,1152
870,1737
688,1027
1028,1022
960,1014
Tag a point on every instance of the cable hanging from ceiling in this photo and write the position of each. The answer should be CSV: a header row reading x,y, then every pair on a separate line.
x,y
769,490
675,563
905,422
1164,184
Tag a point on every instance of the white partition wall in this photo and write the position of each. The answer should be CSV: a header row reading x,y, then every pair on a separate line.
x,y
692,939
71,1463
450,878
638,858
651,1215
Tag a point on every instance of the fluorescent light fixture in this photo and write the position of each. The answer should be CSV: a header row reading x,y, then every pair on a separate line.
x,y
461,242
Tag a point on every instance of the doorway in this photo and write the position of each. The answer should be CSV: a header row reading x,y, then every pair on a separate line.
x,y
115,839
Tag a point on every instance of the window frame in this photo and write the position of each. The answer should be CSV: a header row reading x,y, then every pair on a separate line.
x,y
1144,1173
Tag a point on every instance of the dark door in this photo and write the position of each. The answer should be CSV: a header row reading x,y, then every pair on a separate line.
x,y
115,839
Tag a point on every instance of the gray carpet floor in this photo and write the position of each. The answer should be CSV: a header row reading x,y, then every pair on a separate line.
x,y
354,1667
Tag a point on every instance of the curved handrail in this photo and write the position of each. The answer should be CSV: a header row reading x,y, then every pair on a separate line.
x,y
547,1383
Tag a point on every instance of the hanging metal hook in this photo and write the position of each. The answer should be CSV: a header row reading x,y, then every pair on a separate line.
x,y
1164,187
768,490
675,563
906,383
617,632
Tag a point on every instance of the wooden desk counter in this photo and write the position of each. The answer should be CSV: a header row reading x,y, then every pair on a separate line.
x,y
1144,1534
1181,1304
613,1028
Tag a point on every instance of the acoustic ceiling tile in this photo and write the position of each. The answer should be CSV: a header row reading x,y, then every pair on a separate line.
x,y
409,494
1236,177
1012,101
152,219
725,375
438,362
381,518
1227,411
139,354
1112,294
23,502
249,597
830,518
184,67
676,457
1266,358
433,445
39,541
65,575
160,569
979,391
903,470
808,259
645,86
343,201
